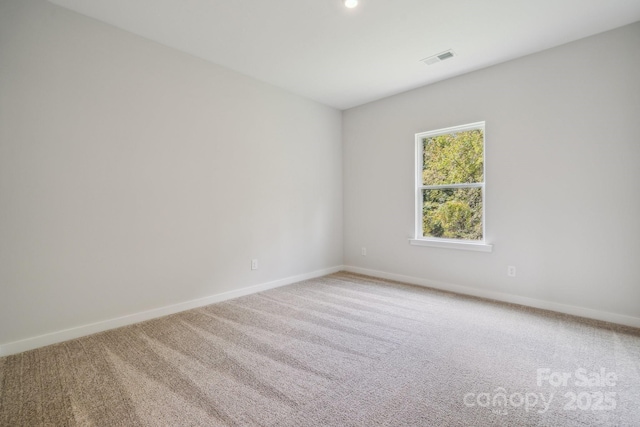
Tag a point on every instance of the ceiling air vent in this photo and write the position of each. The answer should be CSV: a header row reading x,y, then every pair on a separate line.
x,y
439,57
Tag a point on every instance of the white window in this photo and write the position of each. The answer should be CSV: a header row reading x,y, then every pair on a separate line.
x,y
450,188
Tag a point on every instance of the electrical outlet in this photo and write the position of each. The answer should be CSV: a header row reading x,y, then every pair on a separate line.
x,y
364,251
511,271
254,264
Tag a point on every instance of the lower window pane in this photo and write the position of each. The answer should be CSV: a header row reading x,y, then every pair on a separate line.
x,y
453,213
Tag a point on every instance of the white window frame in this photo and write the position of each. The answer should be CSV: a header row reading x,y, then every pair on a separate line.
x,y
419,238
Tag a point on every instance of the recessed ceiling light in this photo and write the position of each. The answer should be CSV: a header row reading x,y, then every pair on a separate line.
x,y
350,3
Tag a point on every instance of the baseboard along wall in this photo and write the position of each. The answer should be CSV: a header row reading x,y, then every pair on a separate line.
x,y
80,331
588,313
92,328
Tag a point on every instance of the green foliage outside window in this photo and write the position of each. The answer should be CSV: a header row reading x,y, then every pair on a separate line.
x,y
456,158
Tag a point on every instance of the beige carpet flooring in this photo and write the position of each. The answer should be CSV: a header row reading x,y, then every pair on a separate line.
x,y
341,350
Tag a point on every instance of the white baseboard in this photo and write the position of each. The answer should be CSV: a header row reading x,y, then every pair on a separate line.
x,y
80,331
589,313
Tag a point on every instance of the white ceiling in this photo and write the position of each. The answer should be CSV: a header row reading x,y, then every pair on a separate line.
x,y
346,57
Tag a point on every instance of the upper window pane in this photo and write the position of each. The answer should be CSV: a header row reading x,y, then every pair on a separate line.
x,y
453,158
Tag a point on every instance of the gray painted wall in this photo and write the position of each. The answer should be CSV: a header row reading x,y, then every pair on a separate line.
x,y
562,173
133,176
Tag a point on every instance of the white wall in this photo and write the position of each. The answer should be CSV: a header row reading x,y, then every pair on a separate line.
x,y
133,176
563,177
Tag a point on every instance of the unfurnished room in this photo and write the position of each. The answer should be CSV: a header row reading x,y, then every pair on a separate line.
x,y
334,213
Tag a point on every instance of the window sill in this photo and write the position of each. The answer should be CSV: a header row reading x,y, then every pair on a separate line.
x,y
453,244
